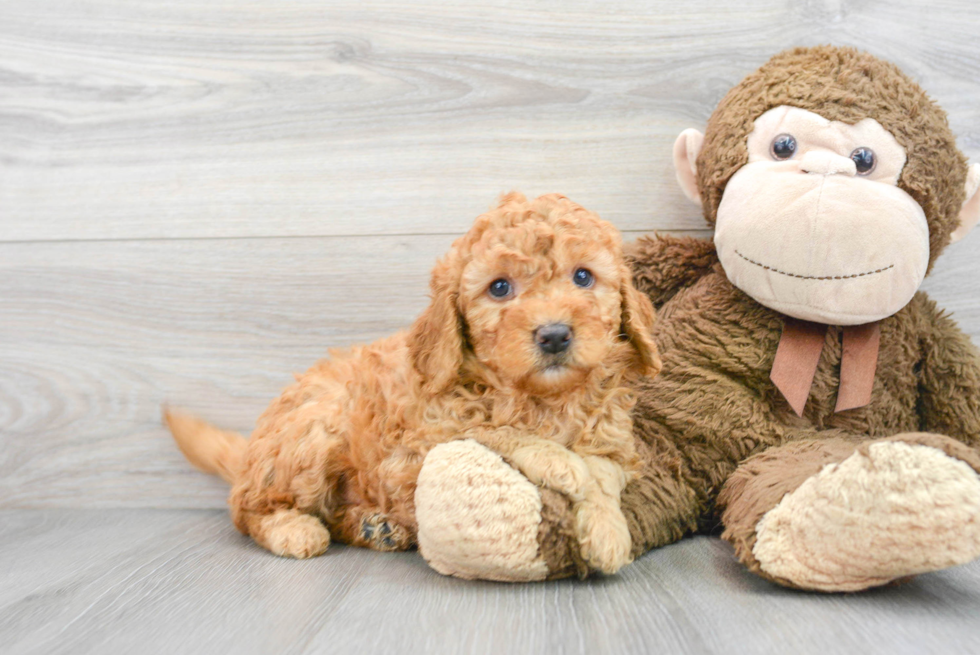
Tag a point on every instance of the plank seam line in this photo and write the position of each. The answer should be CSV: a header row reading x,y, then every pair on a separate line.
x,y
295,236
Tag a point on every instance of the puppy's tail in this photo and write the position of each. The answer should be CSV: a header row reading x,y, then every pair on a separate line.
x,y
214,451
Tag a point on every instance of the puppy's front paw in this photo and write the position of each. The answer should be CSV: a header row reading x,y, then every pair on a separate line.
x,y
603,536
553,466
289,533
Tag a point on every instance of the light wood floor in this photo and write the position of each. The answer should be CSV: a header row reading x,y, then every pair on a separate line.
x,y
198,198
184,581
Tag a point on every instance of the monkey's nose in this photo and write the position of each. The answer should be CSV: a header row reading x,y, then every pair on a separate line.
x,y
554,338
822,162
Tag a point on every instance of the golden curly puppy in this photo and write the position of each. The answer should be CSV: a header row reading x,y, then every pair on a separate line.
x,y
531,338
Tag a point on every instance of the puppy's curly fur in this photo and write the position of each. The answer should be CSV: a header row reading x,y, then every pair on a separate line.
x,y
339,452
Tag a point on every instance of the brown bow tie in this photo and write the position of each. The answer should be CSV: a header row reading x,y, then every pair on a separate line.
x,y
799,353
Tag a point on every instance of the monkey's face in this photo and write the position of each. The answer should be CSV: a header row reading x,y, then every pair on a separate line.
x,y
815,226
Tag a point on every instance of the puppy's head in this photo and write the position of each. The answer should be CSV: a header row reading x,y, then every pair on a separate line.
x,y
536,296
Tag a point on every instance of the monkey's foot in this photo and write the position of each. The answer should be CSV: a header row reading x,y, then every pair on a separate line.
x,y
478,517
887,512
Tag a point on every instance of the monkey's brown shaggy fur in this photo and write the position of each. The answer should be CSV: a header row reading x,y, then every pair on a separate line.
x,y
344,444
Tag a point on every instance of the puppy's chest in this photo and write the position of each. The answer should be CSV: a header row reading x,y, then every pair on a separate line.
x,y
553,426
566,421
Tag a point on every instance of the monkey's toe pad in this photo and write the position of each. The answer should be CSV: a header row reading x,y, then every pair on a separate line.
x,y
890,512
477,516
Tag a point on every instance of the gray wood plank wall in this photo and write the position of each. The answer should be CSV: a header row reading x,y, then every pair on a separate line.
x,y
198,198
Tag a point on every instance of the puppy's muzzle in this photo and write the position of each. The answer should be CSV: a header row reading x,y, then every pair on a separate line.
x,y
554,338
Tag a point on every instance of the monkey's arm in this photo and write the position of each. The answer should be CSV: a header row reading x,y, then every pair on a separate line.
x,y
663,264
949,377
693,432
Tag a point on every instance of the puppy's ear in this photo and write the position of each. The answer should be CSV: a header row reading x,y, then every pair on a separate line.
x,y
435,343
637,327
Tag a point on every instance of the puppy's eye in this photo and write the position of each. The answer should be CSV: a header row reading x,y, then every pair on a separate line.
x,y
583,277
500,288
864,160
783,146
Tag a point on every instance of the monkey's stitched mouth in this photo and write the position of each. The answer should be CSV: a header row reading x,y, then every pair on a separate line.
x,y
814,277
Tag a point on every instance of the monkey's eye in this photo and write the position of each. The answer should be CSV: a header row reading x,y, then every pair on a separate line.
x,y
583,277
783,146
864,159
500,288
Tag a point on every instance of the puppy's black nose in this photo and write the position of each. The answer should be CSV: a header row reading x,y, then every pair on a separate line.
x,y
554,338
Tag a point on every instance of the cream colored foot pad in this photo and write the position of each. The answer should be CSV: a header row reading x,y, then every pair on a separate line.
x,y
477,516
902,510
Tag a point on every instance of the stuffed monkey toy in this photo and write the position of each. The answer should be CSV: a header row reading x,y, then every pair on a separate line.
x,y
812,401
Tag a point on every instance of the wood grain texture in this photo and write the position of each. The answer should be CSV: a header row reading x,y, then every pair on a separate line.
x,y
198,198
136,119
185,582
98,335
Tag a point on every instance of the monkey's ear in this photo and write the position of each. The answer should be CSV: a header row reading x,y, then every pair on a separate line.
x,y
686,150
970,213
